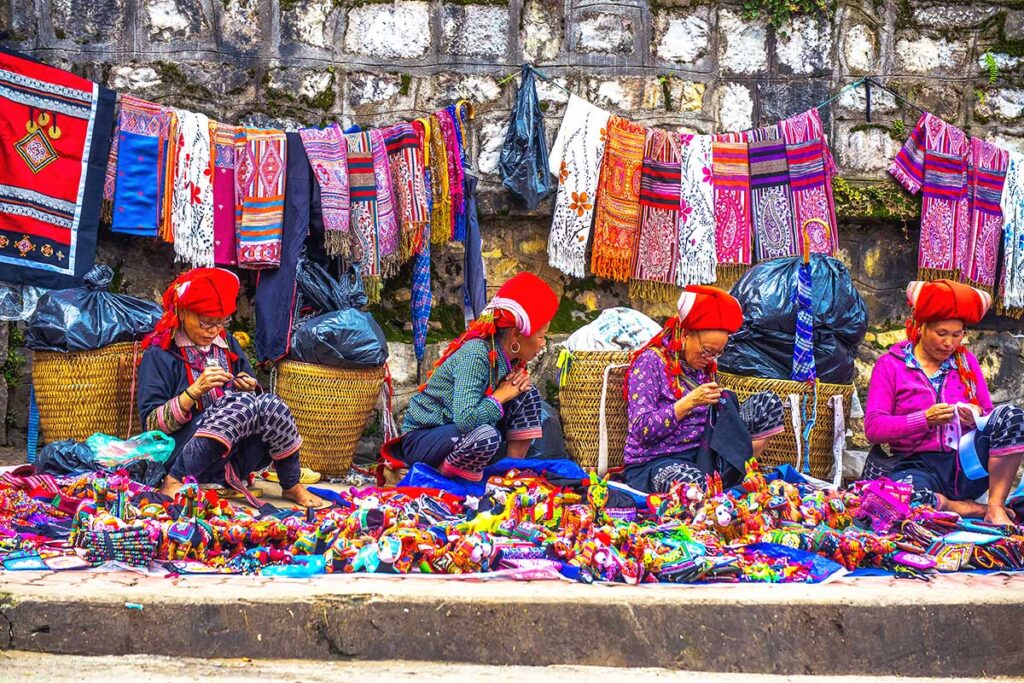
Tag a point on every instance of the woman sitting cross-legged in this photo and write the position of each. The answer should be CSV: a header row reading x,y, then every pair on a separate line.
x,y
929,403
682,425
196,384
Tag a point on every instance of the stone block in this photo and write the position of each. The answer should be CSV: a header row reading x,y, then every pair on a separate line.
x,y
1004,104
684,96
943,98
735,107
475,31
445,88
492,135
309,23
241,25
855,101
1013,26
400,30
310,93
19,20
604,33
926,55
682,37
363,88
806,47
954,17
175,19
742,45
860,48
541,31
87,21
779,99
133,78
863,150
625,94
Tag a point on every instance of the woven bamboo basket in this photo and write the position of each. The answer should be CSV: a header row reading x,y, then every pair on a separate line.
x,y
580,406
331,407
83,392
782,448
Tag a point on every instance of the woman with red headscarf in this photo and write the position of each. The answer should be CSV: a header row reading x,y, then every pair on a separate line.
x,y
196,384
682,425
929,403
478,398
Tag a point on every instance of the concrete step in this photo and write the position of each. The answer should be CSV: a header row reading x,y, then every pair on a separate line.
x,y
952,626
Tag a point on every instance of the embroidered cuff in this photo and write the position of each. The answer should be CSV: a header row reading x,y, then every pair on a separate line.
x,y
501,408
768,434
917,422
178,413
527,434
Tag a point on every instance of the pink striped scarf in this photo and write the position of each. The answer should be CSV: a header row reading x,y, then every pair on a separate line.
x,y
731,173
810,177
328,155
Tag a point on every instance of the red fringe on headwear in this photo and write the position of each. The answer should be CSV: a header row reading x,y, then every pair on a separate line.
x,y
670,337
963,368
485,327
163,331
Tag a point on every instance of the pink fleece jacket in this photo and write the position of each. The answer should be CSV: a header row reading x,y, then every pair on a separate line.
x,y
898,397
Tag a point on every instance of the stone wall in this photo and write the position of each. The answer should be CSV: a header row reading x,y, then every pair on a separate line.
x,y
684,64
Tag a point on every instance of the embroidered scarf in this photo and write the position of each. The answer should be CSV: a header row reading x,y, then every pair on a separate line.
x,y
138,167
987,176
168,165
406,161
770,195
933,161
660,179
192,202
259,181
327,150
810,177
618,200
1012,204
730,163
421,299
441,219
697,256
225,232
389,237
363,189
110,177
56,140
456,173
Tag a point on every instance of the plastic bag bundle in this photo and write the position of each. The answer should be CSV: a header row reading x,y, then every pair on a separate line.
x,y
524,155
343,339
322,293
112,453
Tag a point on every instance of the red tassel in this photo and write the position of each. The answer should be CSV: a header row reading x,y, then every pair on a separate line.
x,y
422,387
489,392
493,356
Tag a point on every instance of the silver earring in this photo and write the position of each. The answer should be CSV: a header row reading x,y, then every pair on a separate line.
x,y
515,347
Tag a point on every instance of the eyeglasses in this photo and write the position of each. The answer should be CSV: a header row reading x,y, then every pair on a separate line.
x,y
211,325
708,355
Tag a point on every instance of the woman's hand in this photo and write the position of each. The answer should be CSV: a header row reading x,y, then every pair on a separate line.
x,y
245,382
213,377
514,384
939,414
704,395
967,416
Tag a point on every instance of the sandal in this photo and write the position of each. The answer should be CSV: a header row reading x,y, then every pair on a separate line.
x,y
306,476
232,494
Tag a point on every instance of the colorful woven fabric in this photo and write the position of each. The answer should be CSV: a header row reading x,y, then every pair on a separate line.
x,y
933,161
327,150
660,179
810,177
618,200
804,369
168,163
225,232
987,176
421,300
55,143
576,160
389,235
456,174
192,202
259,181
731,169
363,189
770,195
138,167
1012,204
405,157
441,220
110,177
697,257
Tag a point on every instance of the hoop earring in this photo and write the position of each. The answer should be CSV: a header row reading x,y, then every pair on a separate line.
x,y
514,347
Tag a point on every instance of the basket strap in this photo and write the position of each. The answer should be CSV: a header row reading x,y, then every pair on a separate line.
x,y
602,444
33,426
838,438
387,418
133,385
794,414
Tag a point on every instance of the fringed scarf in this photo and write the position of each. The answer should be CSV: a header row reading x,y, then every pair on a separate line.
x,y
618,200
139,170
225,232
192,202
730,164
456,173
810,177
1011,301
441,220
987,176
421,300
389,237
697,256
576,159
405,158
363,192
259,179
934,161
654,272
770,195
169,163
327,150
110,177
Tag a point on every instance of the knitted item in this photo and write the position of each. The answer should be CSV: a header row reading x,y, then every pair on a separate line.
x,y
987,177
225,232
388,231
770,195
405,157
656,254
810,168
731,170
1012,204
139,168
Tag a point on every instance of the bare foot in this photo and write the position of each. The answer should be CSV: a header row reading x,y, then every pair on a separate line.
x,y
170,486
964,508
997,514
301,495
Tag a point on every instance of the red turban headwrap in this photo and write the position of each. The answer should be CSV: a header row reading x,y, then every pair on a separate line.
x,y
947,300
209,292
709,308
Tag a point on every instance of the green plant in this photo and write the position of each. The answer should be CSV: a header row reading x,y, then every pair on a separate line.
x,y
899,130
991,67
666,90
779,13
15,361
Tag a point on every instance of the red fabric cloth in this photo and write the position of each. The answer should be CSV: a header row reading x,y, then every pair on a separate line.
x,y
702,307
209,292
947,300
525,302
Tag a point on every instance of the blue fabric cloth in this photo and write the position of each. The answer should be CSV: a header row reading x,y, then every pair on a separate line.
x,y
425,476
422,298
135,195
803,345
474,286
275,289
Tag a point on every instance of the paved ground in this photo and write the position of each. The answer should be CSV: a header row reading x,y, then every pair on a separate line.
x,y
28,666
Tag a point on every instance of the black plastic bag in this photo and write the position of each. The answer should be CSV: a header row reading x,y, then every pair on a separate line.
x,y
342,339
89,317
524,155
764,345
321,293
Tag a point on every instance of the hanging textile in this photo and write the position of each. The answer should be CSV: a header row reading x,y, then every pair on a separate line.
x,y
474,274
933,161
576,161
406,161
730,165
54,152
456,173
363,189
192,202
260,156
811,168
804,369
987,175
225,233
327,150
110,177
422,299
1012,204
523,162
654,272
138,169
441,221
618,200
389,237
168,163
697,255
772,214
